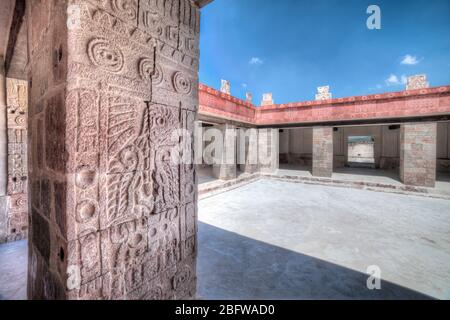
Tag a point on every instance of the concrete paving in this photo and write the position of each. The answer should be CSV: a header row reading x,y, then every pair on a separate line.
x,y
13,270
276,239
388,177
282,240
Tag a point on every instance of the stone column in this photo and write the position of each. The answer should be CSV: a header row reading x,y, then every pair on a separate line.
x,y
418,154
3,155
113,215
322,152
268,150
17,187
248,146
225,168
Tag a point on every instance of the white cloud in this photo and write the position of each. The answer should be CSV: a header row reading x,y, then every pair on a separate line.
x,y
256,61
393,80
244,85
410,60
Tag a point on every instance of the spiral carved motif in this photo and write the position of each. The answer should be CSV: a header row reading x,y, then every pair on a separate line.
x,y
103,54
146,68
181,83
127,7
158,76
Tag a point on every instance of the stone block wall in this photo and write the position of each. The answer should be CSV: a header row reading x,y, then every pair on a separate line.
x,y
112,217
322,151
418,154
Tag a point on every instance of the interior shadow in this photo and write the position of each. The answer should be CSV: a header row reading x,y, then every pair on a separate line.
x,y
295,167
443,176
234,267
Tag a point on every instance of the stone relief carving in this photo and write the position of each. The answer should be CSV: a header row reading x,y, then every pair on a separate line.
x,y
127,202
146,68
17,114
181,83
267,99
127,8
417,82
323,93
104,54
225,87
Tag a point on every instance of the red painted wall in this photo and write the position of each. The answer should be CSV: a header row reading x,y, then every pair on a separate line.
x,y
403,104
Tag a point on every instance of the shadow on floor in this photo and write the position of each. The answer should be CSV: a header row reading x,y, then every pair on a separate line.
x,y
233,267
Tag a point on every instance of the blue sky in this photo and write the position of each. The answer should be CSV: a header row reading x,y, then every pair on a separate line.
x,y
290,47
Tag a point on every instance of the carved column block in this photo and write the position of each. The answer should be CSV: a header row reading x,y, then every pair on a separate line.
x,y
114,216
418,154
17,114
225,167
268,150
322,152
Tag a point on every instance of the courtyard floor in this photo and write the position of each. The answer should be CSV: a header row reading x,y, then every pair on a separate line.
x,y
280,240
273,239
13,270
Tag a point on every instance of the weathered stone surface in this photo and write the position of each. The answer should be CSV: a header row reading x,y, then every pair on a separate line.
x,y
17,114
225,87
41,235
3,150
418,154
323,93
267,99
268,150
417,82
107,198
249,97
322,151
225,166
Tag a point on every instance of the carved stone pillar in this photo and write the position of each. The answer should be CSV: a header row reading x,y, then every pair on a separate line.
x,y
225,169
3,155
17,187
268,150
418,154
248,147
113,216
322,152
